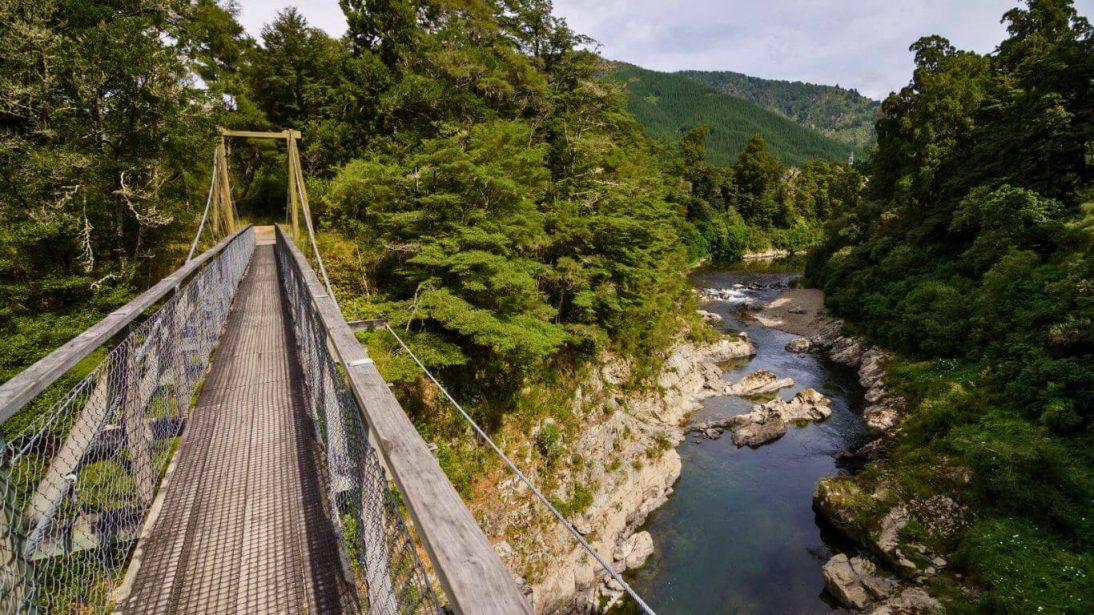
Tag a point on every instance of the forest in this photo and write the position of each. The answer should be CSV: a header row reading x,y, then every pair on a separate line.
x,y
481,181
668,105
971,252
486,181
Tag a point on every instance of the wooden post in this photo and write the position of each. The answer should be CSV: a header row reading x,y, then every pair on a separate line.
x,y
303,187
214,209
294,200
225,188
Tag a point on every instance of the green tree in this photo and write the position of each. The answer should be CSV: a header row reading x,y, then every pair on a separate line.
x,y
755,175
100,130
973,244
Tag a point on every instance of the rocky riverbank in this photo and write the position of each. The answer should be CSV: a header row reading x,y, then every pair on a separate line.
x,y
899,534
801,311
629,466
771,254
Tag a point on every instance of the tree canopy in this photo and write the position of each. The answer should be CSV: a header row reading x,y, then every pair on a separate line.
x,y
971,245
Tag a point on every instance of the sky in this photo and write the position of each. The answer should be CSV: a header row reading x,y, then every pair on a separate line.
x,y
861,44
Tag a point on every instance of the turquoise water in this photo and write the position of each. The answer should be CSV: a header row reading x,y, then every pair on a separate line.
x,y
739,534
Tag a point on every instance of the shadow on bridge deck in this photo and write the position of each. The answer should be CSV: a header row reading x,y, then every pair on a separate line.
x,y
244,525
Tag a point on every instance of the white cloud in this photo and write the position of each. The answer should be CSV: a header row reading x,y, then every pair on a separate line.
x,y
854,43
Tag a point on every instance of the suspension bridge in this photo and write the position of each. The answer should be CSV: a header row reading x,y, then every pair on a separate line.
x,y
224,444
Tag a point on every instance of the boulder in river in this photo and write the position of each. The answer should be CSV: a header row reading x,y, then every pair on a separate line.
x,y
712,433
808,405
758,382
760,426
769,421
798,345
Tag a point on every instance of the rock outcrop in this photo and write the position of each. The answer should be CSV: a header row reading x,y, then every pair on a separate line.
x,y
908,601
769,421
878,519
634,551
758,383
855,581
630,461
846,351
709,317
858,584
883,411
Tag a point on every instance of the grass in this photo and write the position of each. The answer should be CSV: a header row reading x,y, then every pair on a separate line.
x,y
1026,570
1024,546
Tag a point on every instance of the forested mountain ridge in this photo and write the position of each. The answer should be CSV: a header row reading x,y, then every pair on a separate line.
x,y
668,105
837,112
971,253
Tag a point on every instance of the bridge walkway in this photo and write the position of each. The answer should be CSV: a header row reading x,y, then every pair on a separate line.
x,y
244,525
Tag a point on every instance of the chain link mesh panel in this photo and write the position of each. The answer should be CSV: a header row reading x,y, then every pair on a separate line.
x,y
390,578
78,481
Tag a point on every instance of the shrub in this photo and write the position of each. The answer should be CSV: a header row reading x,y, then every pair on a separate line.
x,y
549,442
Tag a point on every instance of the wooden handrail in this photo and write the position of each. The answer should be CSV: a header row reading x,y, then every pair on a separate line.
x,y
473,577
15,393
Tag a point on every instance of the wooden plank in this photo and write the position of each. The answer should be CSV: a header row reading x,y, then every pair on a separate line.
x,y
254,134
15,393
54,484
472,575
90,531
260,134
217,192
369,324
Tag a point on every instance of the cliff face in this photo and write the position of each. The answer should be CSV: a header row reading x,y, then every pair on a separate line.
x,y
629,465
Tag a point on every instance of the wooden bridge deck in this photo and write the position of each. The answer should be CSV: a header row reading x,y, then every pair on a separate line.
x,y
243,525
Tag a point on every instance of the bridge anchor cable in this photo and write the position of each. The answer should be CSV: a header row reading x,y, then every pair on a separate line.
x,y
539,495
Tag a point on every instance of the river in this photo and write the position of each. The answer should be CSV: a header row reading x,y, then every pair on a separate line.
x,y
739,534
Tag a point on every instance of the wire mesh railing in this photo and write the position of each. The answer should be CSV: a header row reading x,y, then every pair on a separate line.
x,y
78,480
389,576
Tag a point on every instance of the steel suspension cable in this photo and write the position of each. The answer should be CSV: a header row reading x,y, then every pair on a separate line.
x,y
482,434
205,214
307,221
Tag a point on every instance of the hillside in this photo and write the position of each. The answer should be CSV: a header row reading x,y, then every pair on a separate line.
x,y
668,105
837,112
